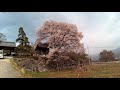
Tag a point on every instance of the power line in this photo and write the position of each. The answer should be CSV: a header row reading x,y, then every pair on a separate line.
x,y
101,47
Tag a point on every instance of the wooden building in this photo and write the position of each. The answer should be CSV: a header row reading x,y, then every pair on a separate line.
x,y
42,49
8,47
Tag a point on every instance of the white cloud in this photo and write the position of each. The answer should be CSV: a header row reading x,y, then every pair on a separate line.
x,y
100,29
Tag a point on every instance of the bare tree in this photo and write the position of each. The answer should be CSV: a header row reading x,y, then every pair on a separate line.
x,y
107,56
2,37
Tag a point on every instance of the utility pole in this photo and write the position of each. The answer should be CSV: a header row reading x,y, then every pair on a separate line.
x,y
88,50
89,55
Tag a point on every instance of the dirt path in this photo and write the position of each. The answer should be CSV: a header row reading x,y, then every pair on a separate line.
x,y
7,70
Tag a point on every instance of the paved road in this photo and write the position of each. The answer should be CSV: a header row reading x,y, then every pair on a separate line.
x,y
7,70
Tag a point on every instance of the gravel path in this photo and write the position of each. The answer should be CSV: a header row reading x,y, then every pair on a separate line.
x,y
7,70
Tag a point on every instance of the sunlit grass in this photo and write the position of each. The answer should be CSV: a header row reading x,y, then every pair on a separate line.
x,y
109,70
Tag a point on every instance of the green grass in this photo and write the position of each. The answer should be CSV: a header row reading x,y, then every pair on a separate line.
x,y
108,70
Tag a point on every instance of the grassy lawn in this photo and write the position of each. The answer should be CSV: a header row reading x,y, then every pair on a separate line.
x,y
109,70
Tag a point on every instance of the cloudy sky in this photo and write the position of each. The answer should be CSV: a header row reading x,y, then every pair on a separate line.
x,y
101,30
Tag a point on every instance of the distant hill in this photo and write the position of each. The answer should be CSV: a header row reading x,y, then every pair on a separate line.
x,y
117,52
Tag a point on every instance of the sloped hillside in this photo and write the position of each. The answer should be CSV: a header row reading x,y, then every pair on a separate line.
x,y
117,52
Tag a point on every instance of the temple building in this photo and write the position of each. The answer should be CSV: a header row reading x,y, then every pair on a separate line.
x,y
8,47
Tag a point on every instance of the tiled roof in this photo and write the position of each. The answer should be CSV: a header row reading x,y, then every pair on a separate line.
x,y
8,44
